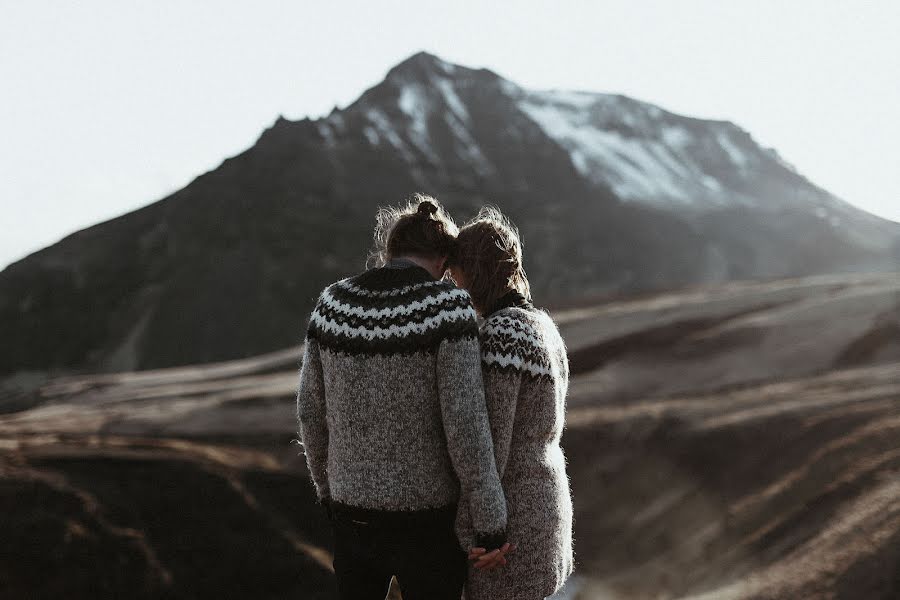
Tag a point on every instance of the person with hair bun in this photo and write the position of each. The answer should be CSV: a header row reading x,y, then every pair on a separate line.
x,y
392,416
526,373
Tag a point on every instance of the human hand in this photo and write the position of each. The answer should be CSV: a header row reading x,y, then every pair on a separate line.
x,y
493,559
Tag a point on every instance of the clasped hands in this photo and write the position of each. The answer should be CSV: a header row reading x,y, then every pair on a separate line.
x,y
493,559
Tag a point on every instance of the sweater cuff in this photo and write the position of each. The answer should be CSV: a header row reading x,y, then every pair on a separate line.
x,y
490,540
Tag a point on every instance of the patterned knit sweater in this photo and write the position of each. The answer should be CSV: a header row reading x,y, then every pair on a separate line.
x,y
526,377
390,404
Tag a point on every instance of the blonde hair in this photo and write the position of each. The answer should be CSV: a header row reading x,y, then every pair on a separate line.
x,y
419,227
489,252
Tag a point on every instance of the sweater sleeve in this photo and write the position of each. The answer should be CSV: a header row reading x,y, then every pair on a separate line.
x,y
501,391
466,426
311,417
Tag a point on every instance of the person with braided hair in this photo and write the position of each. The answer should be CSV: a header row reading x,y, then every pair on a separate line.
x,y
526,373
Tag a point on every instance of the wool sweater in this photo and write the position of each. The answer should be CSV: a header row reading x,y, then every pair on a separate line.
x,y
526,375
390,404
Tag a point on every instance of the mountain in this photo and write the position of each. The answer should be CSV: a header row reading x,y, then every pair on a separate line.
x,y
612,196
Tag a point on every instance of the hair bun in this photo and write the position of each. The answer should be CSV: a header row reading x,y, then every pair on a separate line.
x,y
427,208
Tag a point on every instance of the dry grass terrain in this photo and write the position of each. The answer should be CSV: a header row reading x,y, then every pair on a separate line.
x,y
737,441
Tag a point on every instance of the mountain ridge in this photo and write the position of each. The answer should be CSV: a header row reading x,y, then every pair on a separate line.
x,y
229,265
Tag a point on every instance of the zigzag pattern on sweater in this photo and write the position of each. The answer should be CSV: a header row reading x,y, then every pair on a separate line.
x,y
515,362
348,285
440,300
509,343
375,331
351,316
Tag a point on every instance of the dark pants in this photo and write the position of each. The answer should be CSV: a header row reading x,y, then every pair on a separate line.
x,y
425,557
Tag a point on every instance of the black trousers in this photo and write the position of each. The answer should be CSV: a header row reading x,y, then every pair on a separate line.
x,y
424,556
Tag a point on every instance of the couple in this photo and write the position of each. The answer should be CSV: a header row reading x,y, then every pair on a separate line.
x,y
433,444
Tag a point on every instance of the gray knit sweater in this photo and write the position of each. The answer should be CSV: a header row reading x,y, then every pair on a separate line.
x,y
526,377
390,403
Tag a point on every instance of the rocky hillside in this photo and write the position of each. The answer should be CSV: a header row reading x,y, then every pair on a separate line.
x,y
613,196
738,441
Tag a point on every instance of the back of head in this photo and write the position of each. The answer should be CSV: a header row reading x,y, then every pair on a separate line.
x,y
421,227
489,252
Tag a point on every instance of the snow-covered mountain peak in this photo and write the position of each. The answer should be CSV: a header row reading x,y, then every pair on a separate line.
x,y
421,67
643,152
418,107
448,122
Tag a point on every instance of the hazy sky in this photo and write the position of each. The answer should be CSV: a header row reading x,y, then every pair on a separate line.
x,y
109,105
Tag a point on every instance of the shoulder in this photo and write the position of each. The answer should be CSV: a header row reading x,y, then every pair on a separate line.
x,y
513,318
453,307
353,315
515,339
321,309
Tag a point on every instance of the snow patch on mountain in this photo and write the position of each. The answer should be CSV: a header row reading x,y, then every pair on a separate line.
x,y
450,96
737,157
385,130
325,131
414,103
636,148
371,135
634,167
421,103
459,122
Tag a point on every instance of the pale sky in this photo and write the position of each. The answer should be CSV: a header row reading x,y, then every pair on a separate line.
x,y
107,106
